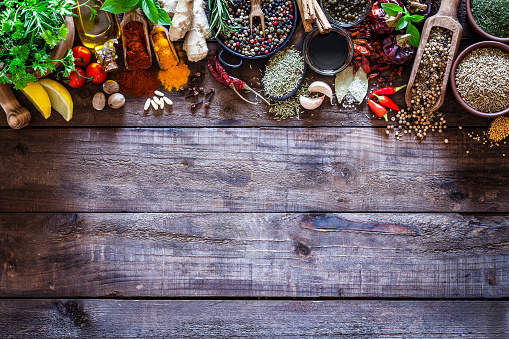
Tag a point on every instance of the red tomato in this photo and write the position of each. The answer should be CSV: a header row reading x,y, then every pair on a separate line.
x,y
77,78
81,56
95,71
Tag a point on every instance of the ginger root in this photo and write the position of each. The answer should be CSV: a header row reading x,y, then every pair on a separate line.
x,y
169,6
195,43
181,20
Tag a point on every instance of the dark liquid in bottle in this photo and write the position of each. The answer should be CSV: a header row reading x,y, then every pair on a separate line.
x,y
328,51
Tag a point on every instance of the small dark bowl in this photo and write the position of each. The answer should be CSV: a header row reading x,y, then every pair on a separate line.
x,y
342,24
303,75
479,29
329,72
460,57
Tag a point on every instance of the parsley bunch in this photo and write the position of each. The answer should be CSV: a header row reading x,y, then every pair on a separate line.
x,y
29,30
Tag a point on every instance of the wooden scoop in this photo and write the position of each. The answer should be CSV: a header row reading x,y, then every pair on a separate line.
x,y
135,16
256,10
154,29
445,18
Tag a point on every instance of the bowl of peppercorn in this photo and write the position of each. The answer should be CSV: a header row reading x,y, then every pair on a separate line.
x,y
480,79
346,13
489,18
280,23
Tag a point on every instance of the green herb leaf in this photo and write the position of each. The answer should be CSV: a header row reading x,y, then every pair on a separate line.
x,y
391,9
150,10
416,18
164,18
113,6
403,22
416,36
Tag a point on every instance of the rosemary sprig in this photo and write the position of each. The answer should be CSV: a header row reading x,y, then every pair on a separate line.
x,y
219,16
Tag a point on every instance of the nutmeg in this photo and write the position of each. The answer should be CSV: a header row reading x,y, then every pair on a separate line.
x,y
99,101
110,87
116,100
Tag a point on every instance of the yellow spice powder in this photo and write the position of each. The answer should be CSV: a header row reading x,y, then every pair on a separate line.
x,y
174,77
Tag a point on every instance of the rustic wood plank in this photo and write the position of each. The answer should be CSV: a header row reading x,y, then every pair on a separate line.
x,y
248,170
253,319
381,255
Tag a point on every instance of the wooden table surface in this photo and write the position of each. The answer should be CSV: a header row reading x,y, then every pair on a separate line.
x,y
226,222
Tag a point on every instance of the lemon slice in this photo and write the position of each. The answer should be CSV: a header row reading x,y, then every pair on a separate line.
x,y
38,97
59,96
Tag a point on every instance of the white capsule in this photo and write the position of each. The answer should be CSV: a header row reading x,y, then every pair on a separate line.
x,y
159,93
154,104
168,101
157,100
147,104
161,104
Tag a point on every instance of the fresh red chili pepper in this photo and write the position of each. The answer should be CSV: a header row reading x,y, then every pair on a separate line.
x,y
366,65
387,102
361,50
378,109
389,90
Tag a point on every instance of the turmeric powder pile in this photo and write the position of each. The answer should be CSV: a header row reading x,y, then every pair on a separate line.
x,y
174,73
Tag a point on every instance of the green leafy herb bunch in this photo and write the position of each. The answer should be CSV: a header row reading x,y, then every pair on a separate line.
x,y
29,30
400,18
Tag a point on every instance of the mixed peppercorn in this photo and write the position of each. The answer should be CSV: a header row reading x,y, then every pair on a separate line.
x,y
279,20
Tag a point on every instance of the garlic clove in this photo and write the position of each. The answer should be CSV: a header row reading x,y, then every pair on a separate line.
x,y
321,87
311,103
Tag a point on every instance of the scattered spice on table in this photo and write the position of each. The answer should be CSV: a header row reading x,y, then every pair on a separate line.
x,y
492,16
499,129
136,46
284,73
140,83
482,79
284,109
174,77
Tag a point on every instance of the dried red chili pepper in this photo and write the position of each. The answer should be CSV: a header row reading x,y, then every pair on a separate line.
x,y
373,75
360,41
386,79
387,102
380,68
377,17
389,90
378,109
399,71
365,64
361,50
398,50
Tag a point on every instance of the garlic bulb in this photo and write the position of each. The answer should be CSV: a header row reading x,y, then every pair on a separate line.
x,y
321,87
311,103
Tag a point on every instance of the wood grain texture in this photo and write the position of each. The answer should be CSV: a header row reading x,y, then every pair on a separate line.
x,y
349,255
248,170
253,319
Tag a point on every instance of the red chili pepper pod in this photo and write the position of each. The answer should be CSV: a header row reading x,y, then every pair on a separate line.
x,y
378,109
387,102
389,90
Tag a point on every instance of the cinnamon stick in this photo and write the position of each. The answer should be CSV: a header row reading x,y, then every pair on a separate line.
x,y
308,27
321,18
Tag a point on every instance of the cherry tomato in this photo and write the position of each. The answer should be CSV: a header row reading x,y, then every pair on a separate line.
x,y
81,56
95,71
77,78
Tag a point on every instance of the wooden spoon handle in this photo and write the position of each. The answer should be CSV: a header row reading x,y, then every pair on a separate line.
x,y
17,115
449,8
255,4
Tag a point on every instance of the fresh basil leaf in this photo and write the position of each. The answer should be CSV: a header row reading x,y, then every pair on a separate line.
x,y
150,10
113,6
130,3
415,35
416,18
164,18
403,22
391,9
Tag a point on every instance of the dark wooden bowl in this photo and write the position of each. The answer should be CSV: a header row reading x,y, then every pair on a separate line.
x,y
460,57
479,29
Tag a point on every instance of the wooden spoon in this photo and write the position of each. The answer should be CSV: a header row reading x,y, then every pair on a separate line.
x,y
17,115
135,16
158,28
445,18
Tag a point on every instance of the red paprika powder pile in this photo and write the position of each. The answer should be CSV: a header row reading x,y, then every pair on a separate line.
x,y
136,46
141,83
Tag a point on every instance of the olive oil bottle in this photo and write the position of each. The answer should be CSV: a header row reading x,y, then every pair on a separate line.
x,y
98,32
